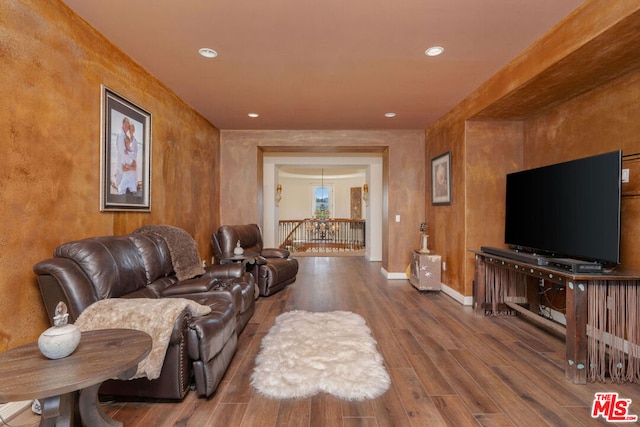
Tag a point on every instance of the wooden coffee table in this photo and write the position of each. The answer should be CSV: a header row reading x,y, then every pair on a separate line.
x,y
25,373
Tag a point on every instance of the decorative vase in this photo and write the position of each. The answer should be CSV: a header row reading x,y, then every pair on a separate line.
x,y
61,339
238,249
424,249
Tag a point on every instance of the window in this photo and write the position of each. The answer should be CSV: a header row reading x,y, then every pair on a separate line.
x,y
322,201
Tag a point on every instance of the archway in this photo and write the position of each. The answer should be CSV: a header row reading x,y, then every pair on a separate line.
x,y
375,162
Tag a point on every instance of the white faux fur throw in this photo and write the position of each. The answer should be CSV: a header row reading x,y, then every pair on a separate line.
x,y
305,353
153,316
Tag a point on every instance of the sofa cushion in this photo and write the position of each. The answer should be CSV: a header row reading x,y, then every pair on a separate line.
x,y
155,255
112,264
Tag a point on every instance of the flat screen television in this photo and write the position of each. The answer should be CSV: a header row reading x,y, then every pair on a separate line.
x,y
567,210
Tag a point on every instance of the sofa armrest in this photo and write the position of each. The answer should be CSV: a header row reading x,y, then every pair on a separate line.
x,y
61,279
191,286
224,271
275,253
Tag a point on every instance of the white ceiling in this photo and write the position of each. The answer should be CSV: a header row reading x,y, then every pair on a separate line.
x,y
323,172
322,64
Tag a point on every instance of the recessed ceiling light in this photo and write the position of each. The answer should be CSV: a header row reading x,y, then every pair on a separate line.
x,y
253,115
389,115
434,51
208,53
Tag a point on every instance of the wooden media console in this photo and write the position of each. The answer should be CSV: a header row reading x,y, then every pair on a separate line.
x,y
602,332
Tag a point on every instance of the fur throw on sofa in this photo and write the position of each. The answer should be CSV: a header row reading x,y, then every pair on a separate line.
x,y
156,317
182,247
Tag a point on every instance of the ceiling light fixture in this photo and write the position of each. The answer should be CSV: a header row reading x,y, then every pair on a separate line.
x,y
253,115
434,51
389,115
208,53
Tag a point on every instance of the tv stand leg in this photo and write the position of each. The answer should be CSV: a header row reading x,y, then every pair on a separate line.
x,y
576,338
479,287
533,294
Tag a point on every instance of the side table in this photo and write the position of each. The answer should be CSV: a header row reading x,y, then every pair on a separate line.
x,y
250,261
246,259
25,373
425,271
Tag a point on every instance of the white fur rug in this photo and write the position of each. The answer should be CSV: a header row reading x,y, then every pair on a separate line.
x,y
305,353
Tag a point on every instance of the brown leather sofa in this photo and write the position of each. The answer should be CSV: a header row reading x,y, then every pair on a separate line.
x,y
139,265
273,268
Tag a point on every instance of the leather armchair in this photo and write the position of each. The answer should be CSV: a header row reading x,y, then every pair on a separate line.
x,y
273,268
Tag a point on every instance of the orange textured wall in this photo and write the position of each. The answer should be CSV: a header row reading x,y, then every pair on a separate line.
x,y
240,163
50,177
445,223
482,153
494,149
600,121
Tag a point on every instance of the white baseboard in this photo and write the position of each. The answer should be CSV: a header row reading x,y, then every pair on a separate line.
x,y
11,409
457,295
393,276
464,300
369,258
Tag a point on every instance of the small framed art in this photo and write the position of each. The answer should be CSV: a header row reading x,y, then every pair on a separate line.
x,y
441,179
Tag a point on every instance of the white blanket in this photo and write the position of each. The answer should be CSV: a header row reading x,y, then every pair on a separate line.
x,y
156,317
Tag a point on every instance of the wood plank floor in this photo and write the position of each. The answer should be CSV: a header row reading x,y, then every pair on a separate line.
x,y
448,366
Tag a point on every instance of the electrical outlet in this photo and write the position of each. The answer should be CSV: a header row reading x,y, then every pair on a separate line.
x,y
213,259
444,266
625,175
204,263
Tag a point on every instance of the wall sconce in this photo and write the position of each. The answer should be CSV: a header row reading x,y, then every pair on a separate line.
x,y
278,194
365,194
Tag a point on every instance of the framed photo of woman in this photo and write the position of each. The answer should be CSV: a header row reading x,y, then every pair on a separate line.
x,y
125,155
441,179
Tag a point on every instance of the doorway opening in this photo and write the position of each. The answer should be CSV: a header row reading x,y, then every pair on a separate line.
x,y
342,223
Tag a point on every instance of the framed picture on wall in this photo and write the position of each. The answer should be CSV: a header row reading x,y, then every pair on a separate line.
x,y
441,179
125,154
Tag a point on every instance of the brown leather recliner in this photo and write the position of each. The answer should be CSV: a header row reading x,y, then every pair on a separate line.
x,y
139,266
273,268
